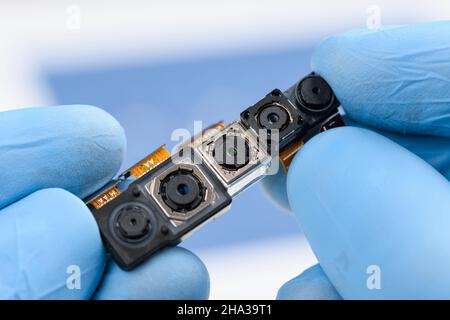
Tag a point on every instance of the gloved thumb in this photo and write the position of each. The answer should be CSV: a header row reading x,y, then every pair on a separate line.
x,y
376,215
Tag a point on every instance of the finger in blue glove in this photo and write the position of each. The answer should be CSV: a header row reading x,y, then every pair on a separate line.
x,y
365,203
77,148
393,80
50,247
312,284
173,273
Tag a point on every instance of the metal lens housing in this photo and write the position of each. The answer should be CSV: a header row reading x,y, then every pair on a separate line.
x,y
236,157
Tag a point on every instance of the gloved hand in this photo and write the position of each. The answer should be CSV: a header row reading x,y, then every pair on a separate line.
x,y
375,207
48,235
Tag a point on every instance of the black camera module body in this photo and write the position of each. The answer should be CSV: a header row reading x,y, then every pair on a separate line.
x,y
317,105
159,209
298,114
294,112
274,113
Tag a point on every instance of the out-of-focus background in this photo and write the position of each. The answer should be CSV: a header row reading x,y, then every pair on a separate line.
x,y
160,65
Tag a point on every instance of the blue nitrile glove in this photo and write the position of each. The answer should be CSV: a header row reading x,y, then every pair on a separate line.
x,y
375,213
48,235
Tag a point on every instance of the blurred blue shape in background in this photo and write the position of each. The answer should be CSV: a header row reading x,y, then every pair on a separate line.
x,y
151,100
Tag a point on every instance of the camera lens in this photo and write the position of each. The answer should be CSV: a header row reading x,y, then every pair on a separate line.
x,y
181,190
314,94
273,117
231,152
133,222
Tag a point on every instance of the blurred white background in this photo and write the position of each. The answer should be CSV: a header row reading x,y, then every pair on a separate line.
x,y
121,55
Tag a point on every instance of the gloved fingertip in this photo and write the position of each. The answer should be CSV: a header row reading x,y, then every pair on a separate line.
x,y
173,273
50,248
391,78
77,148
339,54
311,284
99,138
375,214
275,187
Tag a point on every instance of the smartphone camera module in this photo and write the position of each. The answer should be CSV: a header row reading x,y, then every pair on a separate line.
x,y
274,113
185,190
182,191
274,117
160,208
165,197
314,95
235,155
133,222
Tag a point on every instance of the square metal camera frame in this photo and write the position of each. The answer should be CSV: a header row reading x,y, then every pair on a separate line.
x,y
238,180
183,162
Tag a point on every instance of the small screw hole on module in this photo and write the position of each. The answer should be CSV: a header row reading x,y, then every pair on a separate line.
x,y
276,93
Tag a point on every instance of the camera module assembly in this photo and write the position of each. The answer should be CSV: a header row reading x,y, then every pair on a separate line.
x,y
164,198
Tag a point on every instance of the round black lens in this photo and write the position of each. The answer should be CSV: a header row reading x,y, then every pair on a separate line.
x,y
273,117
182,191
314,94
133,222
